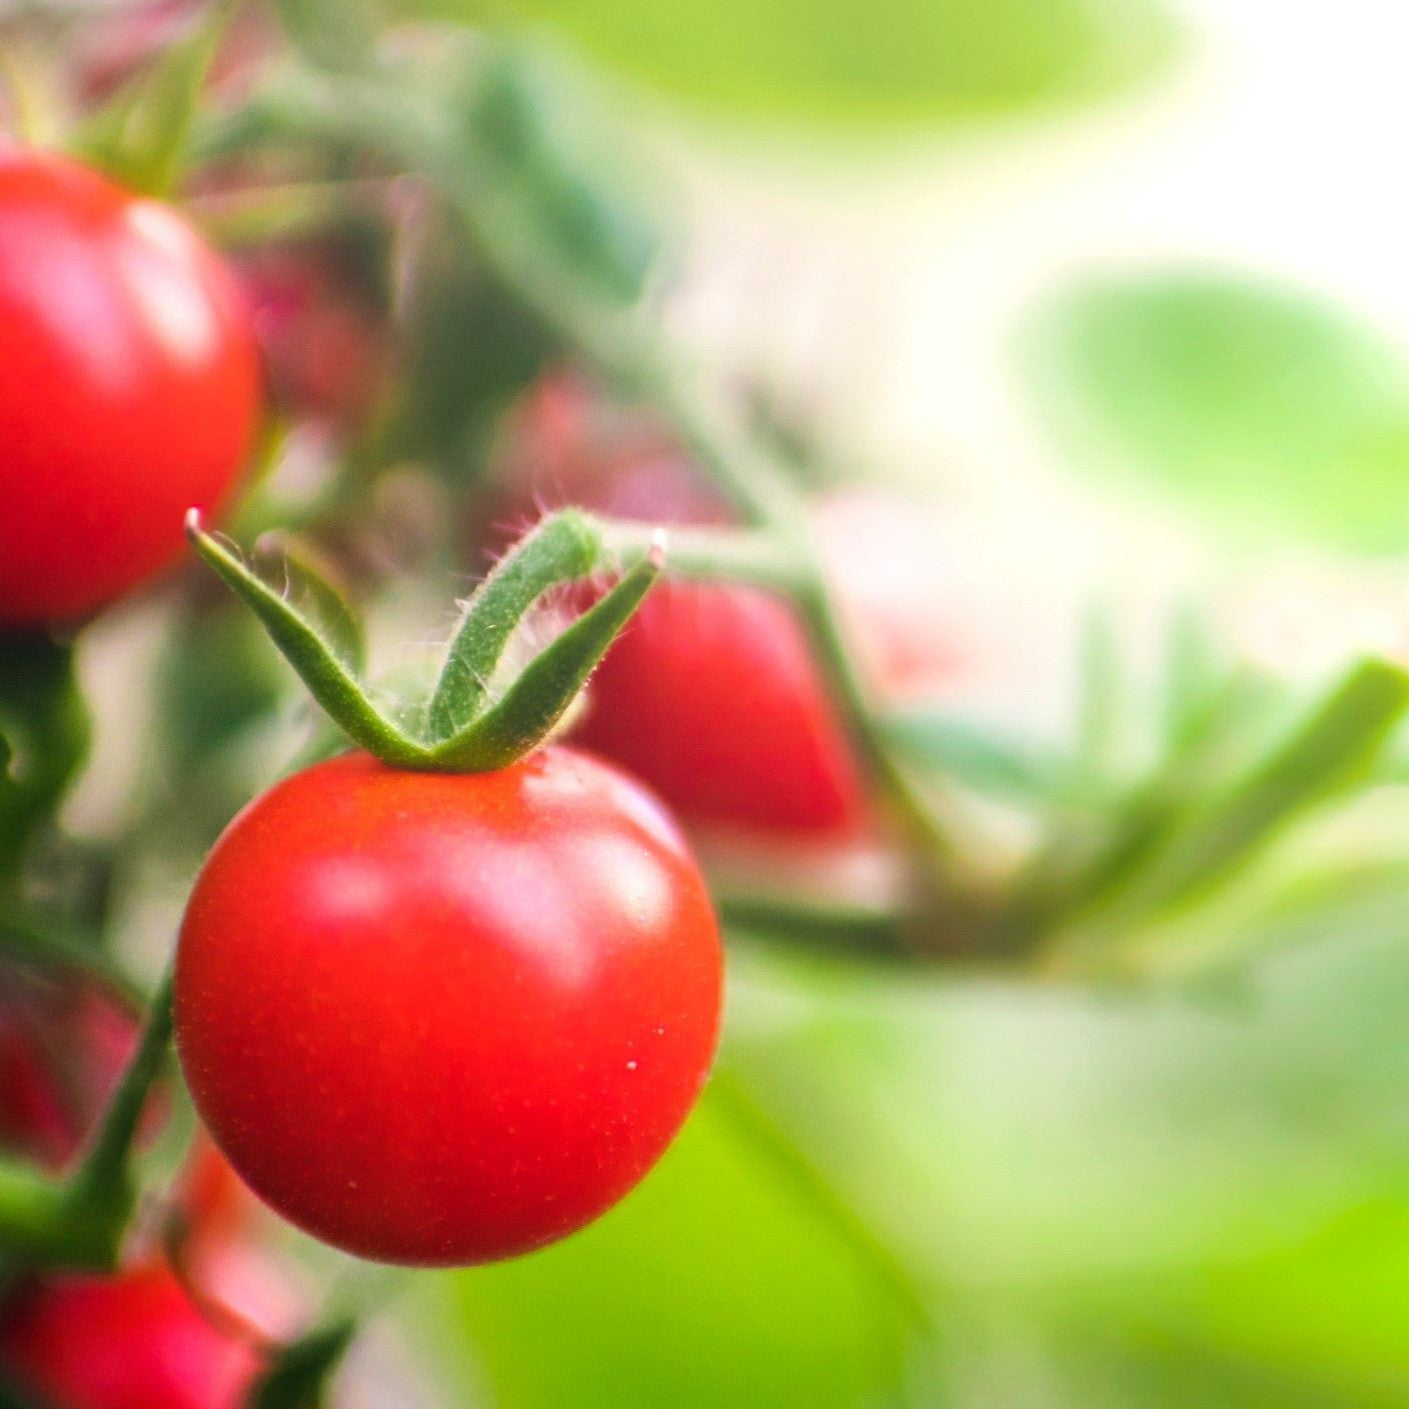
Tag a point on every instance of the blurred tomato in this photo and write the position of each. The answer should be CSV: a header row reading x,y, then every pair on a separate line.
x,y
130,1341
62,1050
129,387
215,1202
319,329
711,695
894,582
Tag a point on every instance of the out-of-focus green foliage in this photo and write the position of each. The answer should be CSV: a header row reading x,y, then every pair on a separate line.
x,y
1127,1196
1265,411
835,60
44,729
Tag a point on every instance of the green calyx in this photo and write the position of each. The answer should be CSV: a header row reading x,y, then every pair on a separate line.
x,y
469,722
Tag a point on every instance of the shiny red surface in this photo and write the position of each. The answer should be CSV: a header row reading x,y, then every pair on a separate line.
x,y
129,387
711,695
439,1019
133,1341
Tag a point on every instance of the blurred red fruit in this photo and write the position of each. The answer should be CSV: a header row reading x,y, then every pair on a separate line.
x,y
62,1051
895,587
131,1341
318,330
711,695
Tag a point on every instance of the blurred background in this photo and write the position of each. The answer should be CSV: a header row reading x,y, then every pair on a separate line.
x,y
1109,296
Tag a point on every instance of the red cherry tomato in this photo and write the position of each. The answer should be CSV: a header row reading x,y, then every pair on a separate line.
x,y
129,387
133,1341
438,1019
711,694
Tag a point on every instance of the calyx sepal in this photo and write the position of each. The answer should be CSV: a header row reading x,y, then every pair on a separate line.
x,y
469,725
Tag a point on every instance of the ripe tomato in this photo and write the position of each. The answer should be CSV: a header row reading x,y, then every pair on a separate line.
x,y
711,694
438,1019
133,1341
129,387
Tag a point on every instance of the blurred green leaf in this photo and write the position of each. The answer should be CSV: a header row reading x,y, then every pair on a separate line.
x,y
44,734
539,138
711,1285
140,136
298,1376
470,348
1334,746
1267,412
333,34
891,60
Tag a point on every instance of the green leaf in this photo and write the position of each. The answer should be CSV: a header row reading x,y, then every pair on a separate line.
x,y
889,61
562,547
1336,745
536,132
305,586
140,138
317,658
1089,858
540,695
299,1374
1267,413
44,736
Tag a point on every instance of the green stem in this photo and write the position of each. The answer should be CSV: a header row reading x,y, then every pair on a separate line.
x,y
754,556
108,1155
81,1223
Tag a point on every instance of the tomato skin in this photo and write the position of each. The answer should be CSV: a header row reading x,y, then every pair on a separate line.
x,y
129,387
133,1341
711,695
438,1019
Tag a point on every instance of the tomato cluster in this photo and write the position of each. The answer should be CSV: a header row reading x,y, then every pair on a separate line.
x,y
432,1018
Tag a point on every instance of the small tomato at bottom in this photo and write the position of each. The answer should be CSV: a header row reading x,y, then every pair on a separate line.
x,y
439,1019
133,1341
